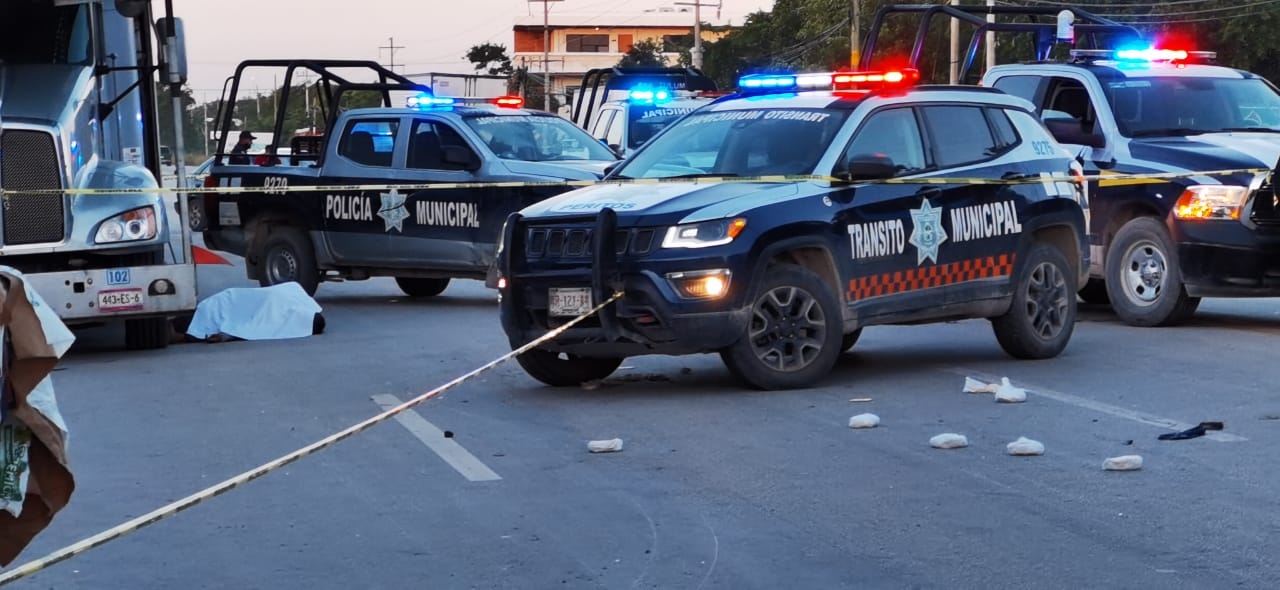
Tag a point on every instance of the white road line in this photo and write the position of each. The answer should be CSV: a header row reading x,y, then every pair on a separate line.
x,y
1097,406
448,449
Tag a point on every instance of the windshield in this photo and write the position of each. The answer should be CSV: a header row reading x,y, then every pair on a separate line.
x,y
1149,107
534,138
37,32
753,142
647,121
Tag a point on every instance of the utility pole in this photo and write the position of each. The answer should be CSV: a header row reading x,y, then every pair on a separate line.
x,y
695,54
546,53
855,39
392,47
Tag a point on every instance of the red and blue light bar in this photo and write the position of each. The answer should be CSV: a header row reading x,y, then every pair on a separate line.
x,y
828,81
1141,55
427,101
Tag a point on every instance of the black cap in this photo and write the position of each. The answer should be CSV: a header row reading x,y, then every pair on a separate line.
x,y
247,135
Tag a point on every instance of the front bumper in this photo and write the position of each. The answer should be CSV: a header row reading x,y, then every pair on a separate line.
x,y
1228,259
648,319
86,296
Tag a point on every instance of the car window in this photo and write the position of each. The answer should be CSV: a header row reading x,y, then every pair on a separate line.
x,y
602,123
958,135
645,121
1020,86
747,142
613,135
536,138
369,142
1005,134
892,133
427,143
1178,106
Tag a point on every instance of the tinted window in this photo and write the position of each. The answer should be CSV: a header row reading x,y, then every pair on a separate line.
x,y
1020,86
536,138
587,43
427,143
648,120
892,133
369,142
1006,135
1179,106
958,135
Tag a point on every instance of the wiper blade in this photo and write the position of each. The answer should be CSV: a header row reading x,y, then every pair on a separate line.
x,y
1172,131
1252,129
705,175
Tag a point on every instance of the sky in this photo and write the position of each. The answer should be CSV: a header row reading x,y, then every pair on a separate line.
x,y
430,35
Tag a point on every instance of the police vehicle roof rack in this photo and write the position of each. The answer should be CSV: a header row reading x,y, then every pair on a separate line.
x,y
1071,25
674,78
331,85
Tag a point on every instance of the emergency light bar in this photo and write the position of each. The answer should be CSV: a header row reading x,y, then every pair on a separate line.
x,y
1143,55
423,101
828,81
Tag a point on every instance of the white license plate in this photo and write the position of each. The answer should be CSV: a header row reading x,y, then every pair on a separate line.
x,y
121,300
568,302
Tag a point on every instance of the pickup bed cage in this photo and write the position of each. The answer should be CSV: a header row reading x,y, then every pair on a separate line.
x,y
1093,29
331,87
678,78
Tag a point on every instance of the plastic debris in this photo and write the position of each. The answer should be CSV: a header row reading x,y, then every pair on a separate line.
x,y
1007,393
1123,463
949,441
605,446
864,421
860,399
972,385
1025,447
1193,432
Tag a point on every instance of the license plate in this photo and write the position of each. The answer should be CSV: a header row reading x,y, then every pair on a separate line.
x,y
569,302
118,276
121,300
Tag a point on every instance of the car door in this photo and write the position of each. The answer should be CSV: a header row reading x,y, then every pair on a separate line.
x,y
357,223
446,228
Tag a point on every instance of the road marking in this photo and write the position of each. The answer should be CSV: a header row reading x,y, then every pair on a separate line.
x,y
1098,406
448,449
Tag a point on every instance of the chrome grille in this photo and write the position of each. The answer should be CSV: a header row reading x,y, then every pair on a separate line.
x,y
576,242
29,161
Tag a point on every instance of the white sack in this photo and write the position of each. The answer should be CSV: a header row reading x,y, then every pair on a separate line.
x,y
1123,463
972,385
605,446
949,441
256,313
1009,394
1025,446
864,421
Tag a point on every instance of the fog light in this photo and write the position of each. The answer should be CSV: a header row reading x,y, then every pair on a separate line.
x,y
701,284
161,287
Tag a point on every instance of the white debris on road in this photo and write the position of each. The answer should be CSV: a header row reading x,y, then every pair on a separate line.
x,y
972,385
949,441
1123,463
864,421
605,446
1007,393
1025,446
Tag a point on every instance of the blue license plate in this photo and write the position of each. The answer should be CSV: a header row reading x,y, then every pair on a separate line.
x,y
118,276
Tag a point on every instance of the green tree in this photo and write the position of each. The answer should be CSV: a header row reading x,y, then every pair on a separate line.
x,y
645,53
491,58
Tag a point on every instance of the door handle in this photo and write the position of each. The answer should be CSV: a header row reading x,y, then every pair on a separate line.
x,y
929,192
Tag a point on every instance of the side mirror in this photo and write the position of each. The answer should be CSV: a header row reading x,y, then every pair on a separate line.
x,y
1072,131
616,149
175,53
610,168
459,156
867,167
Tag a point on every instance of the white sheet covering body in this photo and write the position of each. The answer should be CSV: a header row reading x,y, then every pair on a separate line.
x,y
256,313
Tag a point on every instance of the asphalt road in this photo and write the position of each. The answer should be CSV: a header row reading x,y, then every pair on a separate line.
x,y
716,487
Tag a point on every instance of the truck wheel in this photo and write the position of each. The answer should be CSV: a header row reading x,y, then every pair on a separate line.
x,y
1094,292
1043,316
794,334
287,255
420,287
850,339
570,371
147,333
1144,280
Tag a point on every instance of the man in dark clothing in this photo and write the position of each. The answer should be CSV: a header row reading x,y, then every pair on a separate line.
x,y
240,153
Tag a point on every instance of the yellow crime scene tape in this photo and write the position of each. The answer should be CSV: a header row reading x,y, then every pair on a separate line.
x,y
232,483
1104,178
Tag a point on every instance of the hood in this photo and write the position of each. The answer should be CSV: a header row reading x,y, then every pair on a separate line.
x,y
1211,151
568,169
37,93
639,201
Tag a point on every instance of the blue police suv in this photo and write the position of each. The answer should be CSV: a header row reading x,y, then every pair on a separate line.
x,y
839,201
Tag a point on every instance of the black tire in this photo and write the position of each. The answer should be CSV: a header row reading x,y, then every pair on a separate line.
x,y
1042,317
287,255
793,337
1094,292
571,371
420,287
850,339
147,333
1144,279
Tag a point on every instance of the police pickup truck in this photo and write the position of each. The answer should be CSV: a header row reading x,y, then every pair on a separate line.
x,y
1161,244
625,107
779,276
423,238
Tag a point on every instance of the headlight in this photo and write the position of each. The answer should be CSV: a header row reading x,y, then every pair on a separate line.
x,y
1211,202
130,226
704,234
700,284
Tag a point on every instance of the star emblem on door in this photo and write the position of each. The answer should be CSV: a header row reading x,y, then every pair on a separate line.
x,y
393,211
927,233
